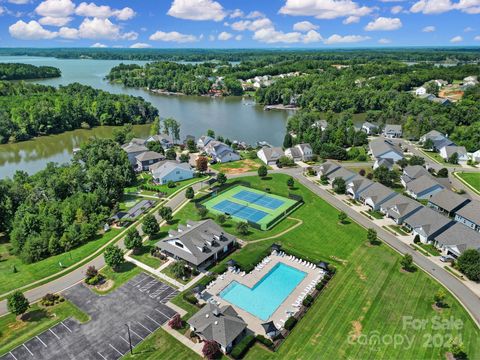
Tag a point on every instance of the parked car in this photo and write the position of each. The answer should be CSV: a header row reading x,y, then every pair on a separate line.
x,y
213,162
446,258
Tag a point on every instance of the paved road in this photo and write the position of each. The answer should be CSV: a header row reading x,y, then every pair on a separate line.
x,y
78,275
463,293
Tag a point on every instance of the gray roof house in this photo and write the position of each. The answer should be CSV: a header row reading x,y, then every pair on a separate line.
x,y
423,187
427,223
171,171
199,243
357,185
300,152
221,152
203,141
386,149
147,158
369,128
375,195
326,168
439,140
388,163
132,150
270,155
165,140
447,151
343,173
447,202
456,239
469,215
411,173
399,208
220,324
392,131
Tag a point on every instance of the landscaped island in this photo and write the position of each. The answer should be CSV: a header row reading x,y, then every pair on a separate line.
x,y
15,71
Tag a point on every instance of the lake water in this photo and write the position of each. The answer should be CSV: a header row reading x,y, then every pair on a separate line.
x,y
233,117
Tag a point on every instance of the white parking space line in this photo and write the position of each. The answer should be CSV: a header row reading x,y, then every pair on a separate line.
x,y
147,285
41,341
13,355
158,291
103,357
54,334
141,280
150,331
168,317
133,332
26,348
66,327
121,337
114,348
156,322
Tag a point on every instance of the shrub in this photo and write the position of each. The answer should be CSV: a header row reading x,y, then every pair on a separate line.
x,y
170,184
320,286
176,322
210,349
242,347
267,342
442,173
308,301
91,272
416,239
189,297
94,280
50,299
242,227
290,323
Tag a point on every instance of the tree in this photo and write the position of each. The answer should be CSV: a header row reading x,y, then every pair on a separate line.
x,y
284,161
184,158
242,227
150,225
442,173
202,164
416,160
155,146
342,217
416,239
189,193
339,185
172,128
385,176
290,182
202,212
429,145
221,219
211,133
262,171
91,272
362,172
166,213
221,178
432,88
407,262
453,159
175,322
469,264
439,298
113,256
287,141
179,269
191,146
372,236
17,303
457,349
133,240
402,163
210,349
171,154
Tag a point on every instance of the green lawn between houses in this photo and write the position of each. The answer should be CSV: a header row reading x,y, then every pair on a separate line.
x,y
472,179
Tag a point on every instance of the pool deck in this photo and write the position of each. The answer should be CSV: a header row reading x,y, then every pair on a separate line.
x,y
250,279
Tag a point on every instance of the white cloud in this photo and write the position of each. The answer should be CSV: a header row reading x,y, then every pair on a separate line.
x,y
351,19
311,37
68,33
197,10
55,8
237,13
103,11
304,26
428,29
224,36
384,41
336,39
30,31
140,46
252,25
456,39
270,36
468,29
98,45
238,37
172,36
97,29
384,24
477,38
396,9
255,14
19,2
55,21
324,9
442,6
2,10
211,37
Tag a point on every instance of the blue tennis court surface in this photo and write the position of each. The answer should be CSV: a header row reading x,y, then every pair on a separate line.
x,y
240,211
262,200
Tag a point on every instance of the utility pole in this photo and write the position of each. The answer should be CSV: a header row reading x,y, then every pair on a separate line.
x,y
129,339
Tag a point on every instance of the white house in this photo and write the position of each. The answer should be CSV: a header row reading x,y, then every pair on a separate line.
x,y
165,140
221,152
270,156
440,83
300,152
392,131
385,149
420,91
171,171
203,141
476,156
423,187
447,151
369,128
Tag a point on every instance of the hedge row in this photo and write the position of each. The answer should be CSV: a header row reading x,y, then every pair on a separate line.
x,y
242,347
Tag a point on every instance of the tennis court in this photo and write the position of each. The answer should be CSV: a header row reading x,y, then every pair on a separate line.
x,y
252,205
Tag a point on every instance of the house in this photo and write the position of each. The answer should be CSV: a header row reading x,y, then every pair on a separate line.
x,y
300,152
428,97
326,168
203,141
388,163
456,239
412,172
322,124
138,141
341,172
392,131
385,149
472,78
447,202
198,243
358,185
440,83
447,151
220,324
134,212
147,158
376,194
427,223
469,215
369,128
420,91
165,140
132,150
475,156
399,208
171,171
270,155
438,139
221,152
441,101
423,187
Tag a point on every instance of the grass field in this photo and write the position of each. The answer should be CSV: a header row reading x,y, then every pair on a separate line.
x,y
435,156
472,179
28,273
238,167
146,179
144,256
14,332
125,272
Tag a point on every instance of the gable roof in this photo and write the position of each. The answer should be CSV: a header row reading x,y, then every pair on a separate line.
x,y
448,200
377,192
414,171
379,147
167,167
471,212
327,167
423,183
272,153
304,147
149,155
369,125
400,205
161,138
429,220
295,152
132,148
359,183
460,150
341,172
461,236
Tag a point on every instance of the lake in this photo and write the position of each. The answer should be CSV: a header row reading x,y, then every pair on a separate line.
x,y
233,117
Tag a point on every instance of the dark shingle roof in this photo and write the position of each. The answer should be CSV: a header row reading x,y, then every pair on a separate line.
x,y
448,200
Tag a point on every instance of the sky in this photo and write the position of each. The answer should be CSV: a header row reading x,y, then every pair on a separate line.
x,y
239,23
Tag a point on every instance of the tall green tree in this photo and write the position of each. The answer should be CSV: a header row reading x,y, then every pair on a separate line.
x,y
17,303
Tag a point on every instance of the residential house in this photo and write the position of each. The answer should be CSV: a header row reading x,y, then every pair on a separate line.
x,y
220,324
392,131
171,171
441,101
440,83
422,90
412,172
469,215
376,194
470,81
385,149
475,156
326,168
138,141
427,224
147,158
341,172
221,152
165,140
203,141
456,239
399,208
369,128
322,124
358,185
198,243
300,152
426,96
439,140
270,155
447,151
447,202
134,212
132,150
388,163
423,187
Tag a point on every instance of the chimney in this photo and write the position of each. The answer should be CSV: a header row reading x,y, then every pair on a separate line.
x,y
215,312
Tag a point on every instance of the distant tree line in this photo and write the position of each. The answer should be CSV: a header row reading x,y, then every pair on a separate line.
x,y
14,71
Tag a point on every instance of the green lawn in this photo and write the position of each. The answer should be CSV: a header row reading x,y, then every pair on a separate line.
x,y
144,256
472,179
14,332
168,271
28,273
146,179
125,272
435,156
238,167
432,250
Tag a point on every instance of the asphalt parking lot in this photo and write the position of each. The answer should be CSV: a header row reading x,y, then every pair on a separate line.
x,y
140,304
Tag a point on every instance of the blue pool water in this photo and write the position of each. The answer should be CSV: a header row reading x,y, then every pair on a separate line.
x,y
259,199
268,294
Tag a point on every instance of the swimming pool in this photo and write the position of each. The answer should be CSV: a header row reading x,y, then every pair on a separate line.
x,y
268,294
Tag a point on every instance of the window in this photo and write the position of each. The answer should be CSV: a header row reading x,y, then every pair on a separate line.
x,y
179,244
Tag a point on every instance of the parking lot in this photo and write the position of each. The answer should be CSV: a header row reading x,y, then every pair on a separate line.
x,y
137,307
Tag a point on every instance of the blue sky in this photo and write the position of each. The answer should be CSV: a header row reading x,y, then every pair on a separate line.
x,y
239,23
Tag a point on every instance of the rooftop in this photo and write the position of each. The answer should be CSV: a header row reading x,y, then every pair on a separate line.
x,y
448,200
471,212
421,184
429,220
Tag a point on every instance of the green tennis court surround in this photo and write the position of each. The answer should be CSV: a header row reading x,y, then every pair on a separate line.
x,y
260,209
